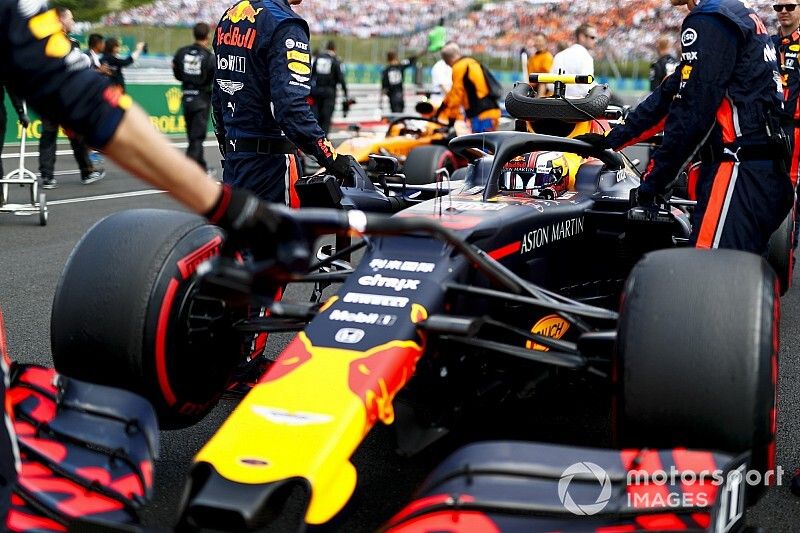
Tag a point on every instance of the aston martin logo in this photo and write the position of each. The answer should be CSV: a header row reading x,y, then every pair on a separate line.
x,y
230,87
173,96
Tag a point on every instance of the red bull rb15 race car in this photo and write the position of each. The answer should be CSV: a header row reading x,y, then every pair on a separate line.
x,y
466,315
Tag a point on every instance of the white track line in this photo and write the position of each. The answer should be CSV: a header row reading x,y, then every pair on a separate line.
x,y
104,197
183,144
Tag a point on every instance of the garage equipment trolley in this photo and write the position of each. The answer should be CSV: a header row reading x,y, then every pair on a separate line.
x,y
23,177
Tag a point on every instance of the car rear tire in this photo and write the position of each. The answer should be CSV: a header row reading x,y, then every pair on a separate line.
x,y
423,162
697,351
781,252
126,314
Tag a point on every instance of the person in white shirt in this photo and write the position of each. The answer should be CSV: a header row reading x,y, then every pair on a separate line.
x,y
441,77
577,60
96,45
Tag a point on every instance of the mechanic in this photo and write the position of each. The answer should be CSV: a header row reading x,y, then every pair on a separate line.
x,y
193,66
263,67
470,92
38,60
392,80
576,59
49,138
24,120
726,98
665,64
540,62
787,44
326,75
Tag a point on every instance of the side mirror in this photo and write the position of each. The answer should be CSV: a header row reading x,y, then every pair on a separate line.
x,y
382,164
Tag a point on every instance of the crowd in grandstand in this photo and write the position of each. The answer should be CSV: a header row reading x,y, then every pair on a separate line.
x,y
627,28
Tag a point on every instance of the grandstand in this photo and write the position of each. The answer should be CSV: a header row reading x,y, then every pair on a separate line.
x,y
628,28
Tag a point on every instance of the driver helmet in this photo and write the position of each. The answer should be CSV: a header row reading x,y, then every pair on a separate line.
x,y
540,174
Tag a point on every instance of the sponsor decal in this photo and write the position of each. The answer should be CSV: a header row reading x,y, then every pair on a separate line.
x,y
549,234
474,206
686,71
689,56
232,107
326,148
174,97
301,79
192,65
298,56
47,24
371,319
688,37
234,37
291,43
402,266
116,97
243,11
303,85
375,299
349,335
233,143
770,54
299,68
552,326
397,284
760,28
794,48
230,87
232,63
290,418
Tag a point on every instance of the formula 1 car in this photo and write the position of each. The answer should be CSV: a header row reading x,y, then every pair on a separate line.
x,y
418,142
463,310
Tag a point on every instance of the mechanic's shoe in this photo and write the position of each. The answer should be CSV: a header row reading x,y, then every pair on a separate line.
x,y
246,376
49,183
93,176
95,157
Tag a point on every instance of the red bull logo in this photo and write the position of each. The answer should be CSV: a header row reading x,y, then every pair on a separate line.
x,y
242,11
377,378
386,369
234,37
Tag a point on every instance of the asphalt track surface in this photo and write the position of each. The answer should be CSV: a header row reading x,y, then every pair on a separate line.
x,y
33,257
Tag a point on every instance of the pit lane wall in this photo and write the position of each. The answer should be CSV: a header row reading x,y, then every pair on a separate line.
x,y
153,90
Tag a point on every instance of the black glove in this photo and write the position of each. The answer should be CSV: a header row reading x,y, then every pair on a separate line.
x,y
342,166
643,196
24,119
598,140
252,224
240,211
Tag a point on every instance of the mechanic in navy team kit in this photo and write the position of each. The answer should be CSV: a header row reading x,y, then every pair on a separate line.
x,y
42,67
261,112
726,98
193,66
392,81
326,75
787,44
